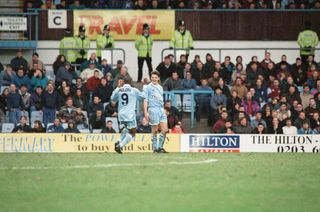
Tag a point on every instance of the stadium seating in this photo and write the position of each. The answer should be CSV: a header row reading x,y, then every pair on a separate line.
x,y
36,115
7,127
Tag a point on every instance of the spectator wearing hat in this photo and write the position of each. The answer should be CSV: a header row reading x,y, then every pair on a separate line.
x,y
21,79
144,44
117,69
83,45
68,46
308,41
19,61
93,57
89,72
7,76
104,41
35,60
64,73
182,38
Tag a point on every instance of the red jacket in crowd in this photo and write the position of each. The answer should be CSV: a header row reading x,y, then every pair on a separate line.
x,y
92,83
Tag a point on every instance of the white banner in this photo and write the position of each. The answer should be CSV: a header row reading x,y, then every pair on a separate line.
x,y
249,143
57,19
13,23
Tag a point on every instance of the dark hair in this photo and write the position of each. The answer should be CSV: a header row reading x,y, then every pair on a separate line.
x,y
35,54
109,121
155,72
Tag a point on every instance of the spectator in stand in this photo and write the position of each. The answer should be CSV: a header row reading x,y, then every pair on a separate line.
x,y
188,82
23,127
144,126
258,120
203,100
250,105
79,85
15,104
97,121
177,129
103,90
306,129
266,60
111,110
293,94
214,80
66,112
95,105
218,99
21,79
108,128
239,70
92,84
199,73
89,72
56,127
195,62
123,73
315,122
117,70
301,118
93,59
19,61
240,88
79,100
312,108
166,68
105,67
80,119
181,66
298,73
172,118
260,129
25,95
50,104
209,65
35,60
76,5
305,96
228,69
276,128
289,129
253,73
7,76
62,5
233,101
64,95
60,61
274,90
72,127
37,127
173,110
244,127
139,5
220,122
261,91
36,100
39,79
173,83
64,73
283,111
3,103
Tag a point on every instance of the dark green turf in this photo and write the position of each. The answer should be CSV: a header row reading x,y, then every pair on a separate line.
x,y
236,182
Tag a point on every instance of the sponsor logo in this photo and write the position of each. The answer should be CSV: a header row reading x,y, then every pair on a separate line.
x,y
214,143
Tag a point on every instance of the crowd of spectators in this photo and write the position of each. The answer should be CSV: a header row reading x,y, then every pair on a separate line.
x,y
173,4
262,96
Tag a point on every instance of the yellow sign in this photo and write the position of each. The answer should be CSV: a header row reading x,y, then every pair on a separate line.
x,y
80,143
125,24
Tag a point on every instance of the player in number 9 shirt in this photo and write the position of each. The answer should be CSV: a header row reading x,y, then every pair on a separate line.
x,y
127,97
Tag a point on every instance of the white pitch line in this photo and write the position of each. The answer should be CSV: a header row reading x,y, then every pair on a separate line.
x,y
103,166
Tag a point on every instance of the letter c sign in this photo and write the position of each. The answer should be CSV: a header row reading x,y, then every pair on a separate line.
x,y
57,19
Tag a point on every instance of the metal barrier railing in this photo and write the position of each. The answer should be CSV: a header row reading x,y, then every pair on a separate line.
x,y
113,51
172,96
220,50
25,34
